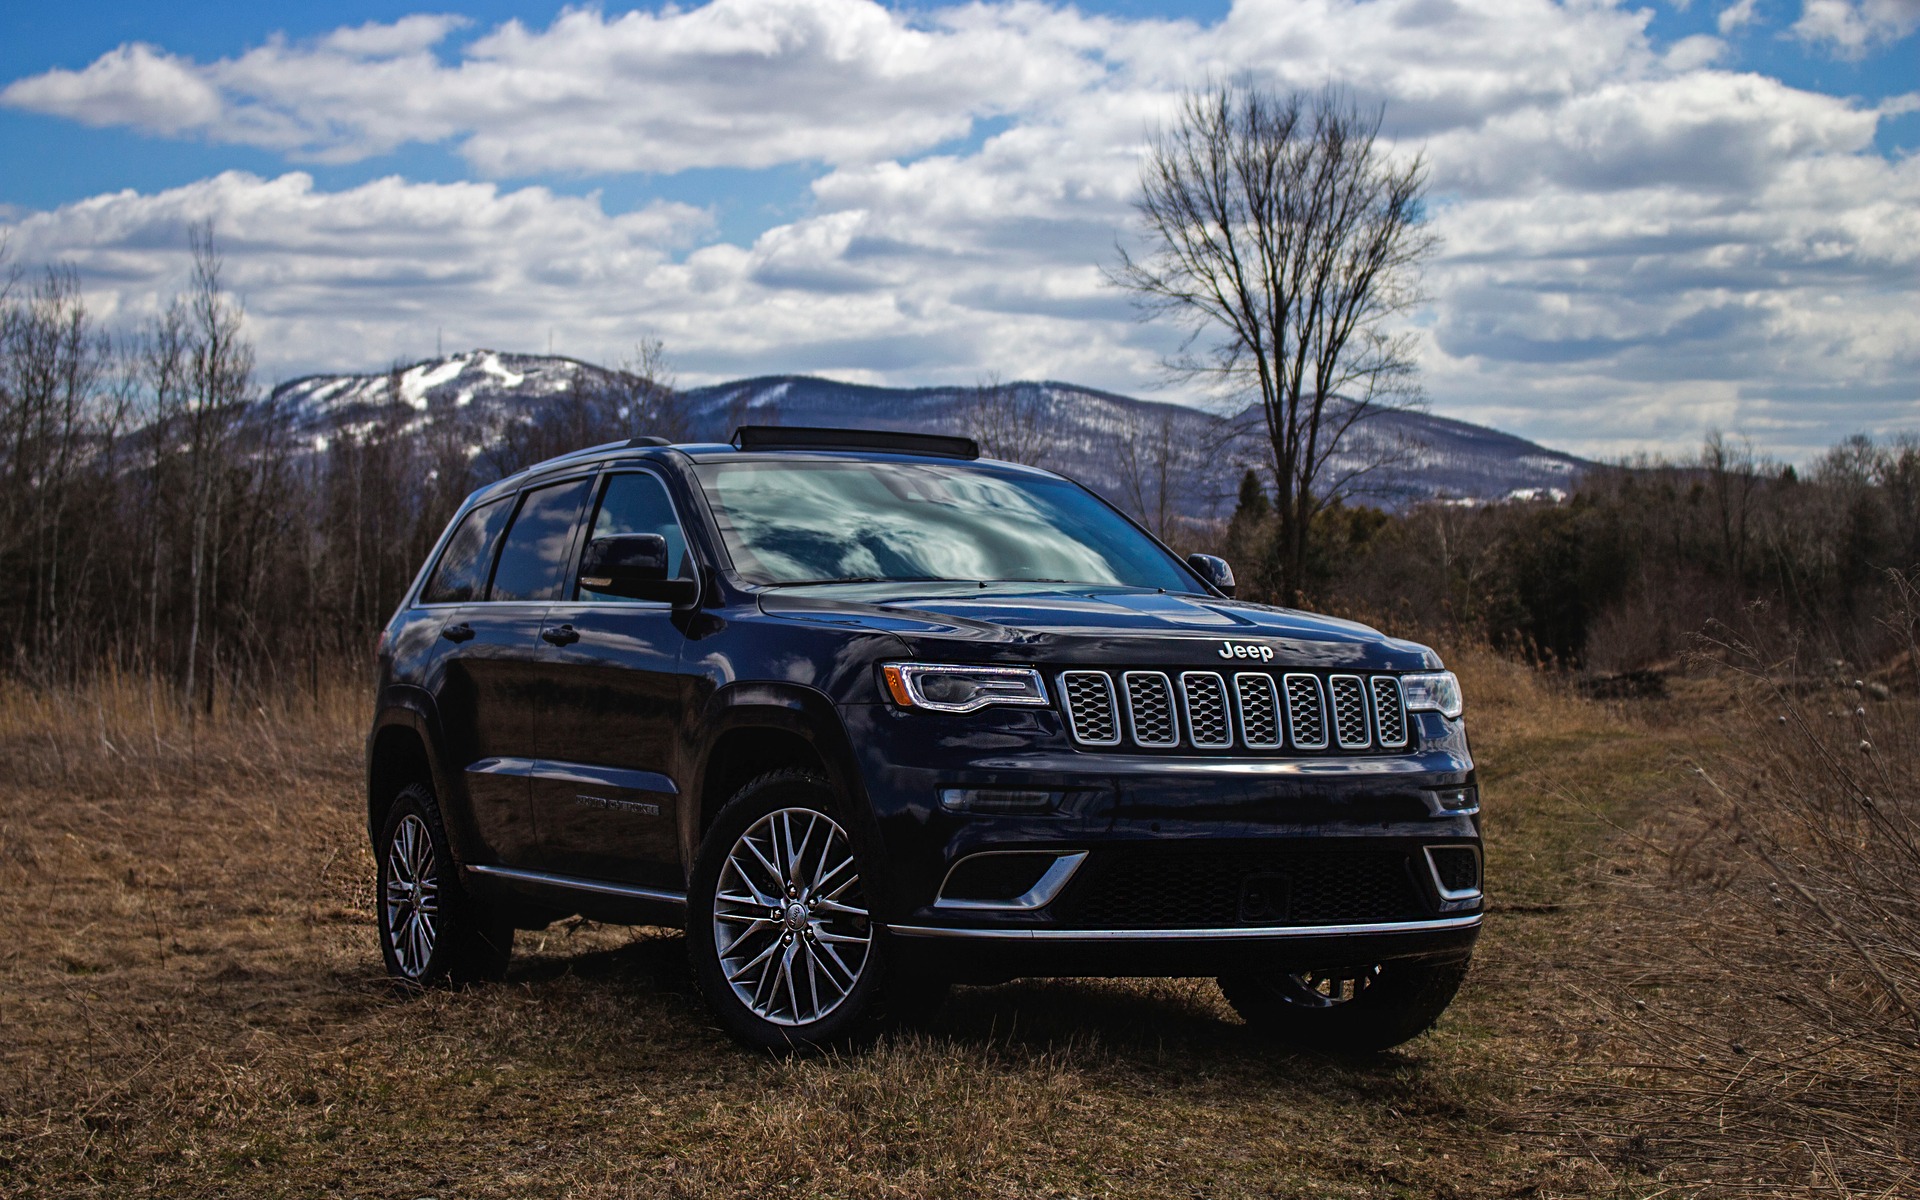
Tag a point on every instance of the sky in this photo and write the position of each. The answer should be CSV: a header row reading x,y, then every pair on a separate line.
x,y
1655,219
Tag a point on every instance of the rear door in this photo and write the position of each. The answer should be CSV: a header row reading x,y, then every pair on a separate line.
x,y
605,795
490,698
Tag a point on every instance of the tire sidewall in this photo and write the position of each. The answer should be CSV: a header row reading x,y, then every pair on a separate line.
x,y
859,1015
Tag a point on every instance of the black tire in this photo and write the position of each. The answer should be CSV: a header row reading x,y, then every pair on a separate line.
x,y
725,937
462,942
1354,1012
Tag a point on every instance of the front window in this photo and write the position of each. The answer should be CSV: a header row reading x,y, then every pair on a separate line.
x,y
787,523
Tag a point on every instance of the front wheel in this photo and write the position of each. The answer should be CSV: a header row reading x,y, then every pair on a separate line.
x,y
1356,1010
782,932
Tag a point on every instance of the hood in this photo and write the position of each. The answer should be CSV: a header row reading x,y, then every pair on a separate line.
x,y
1063,624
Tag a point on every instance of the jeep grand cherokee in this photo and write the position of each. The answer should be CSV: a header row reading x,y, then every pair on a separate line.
x,y
867,715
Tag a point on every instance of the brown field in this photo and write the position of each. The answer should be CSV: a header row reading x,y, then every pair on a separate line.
x,y
193,1006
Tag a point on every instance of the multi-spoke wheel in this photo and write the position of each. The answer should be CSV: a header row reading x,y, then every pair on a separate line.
x,y
784,941
429,928
790,923
412,896
1352,1010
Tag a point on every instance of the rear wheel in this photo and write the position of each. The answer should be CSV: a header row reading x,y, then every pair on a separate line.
x,y
1355,1010
430,929
785,945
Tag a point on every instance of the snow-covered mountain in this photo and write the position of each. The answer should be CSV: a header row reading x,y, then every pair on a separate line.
x,y
1118,444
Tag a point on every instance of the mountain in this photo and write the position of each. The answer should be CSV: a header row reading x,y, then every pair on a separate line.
x,y
1129,449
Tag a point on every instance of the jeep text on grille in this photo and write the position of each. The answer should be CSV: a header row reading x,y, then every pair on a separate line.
x,y
868,717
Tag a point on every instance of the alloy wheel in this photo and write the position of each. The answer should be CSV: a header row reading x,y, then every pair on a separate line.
x,y
790,923
413,896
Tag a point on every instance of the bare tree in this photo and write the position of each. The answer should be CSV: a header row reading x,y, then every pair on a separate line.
x,y
1158,470
1008,421
1285,236
650,401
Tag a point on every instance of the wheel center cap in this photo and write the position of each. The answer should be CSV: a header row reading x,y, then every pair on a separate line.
x,y
796,916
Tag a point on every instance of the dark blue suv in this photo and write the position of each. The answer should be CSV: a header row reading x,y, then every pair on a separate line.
x,y
868,715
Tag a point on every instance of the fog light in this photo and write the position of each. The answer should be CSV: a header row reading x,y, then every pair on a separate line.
x,y
997,800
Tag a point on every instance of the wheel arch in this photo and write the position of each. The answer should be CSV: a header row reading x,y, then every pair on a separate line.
x,y
401,751
754,728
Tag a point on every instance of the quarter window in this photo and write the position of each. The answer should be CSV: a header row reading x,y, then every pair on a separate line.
x,y
461,575
533,561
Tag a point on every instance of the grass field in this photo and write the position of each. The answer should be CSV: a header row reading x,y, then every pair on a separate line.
x,y
194,1006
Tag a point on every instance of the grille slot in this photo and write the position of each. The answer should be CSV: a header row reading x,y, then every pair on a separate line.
x,y
1090,708
1205,696
1259,711
1306,716
1136,889
1349,712
1389,712
1150,709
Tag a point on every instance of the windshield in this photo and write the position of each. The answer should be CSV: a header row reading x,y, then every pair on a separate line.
x,y
827,522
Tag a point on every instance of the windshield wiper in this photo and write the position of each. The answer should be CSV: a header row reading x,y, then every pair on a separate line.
x,y
866,579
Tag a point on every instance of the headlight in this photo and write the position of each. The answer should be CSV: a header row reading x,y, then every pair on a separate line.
x,y
1437,691
951,689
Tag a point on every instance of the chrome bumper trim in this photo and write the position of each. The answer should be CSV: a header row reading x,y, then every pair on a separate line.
x,y
1243,933
1039,895
599,887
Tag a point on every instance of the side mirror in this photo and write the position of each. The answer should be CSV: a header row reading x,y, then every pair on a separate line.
x,y
1216,571
634,565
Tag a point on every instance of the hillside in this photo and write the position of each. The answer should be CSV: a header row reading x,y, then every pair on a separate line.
x,y
1117,444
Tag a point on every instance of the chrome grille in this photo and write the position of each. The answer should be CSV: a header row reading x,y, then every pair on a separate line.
x,y
1205,695
1389,712
1306,715
1090,708
1349,712
1150,709
1259,712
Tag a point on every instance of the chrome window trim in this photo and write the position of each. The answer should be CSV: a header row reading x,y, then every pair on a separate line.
x,y
1226,710
1450,895
1173,710
1066,706
1366,713
1320,697
1406,719
1210,934
1040,895
1273,697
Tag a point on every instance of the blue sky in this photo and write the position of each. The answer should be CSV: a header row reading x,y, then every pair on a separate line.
x,y
1658,219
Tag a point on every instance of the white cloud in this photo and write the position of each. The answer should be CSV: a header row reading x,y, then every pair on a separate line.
x,y
1738,15
1849,28
1638,244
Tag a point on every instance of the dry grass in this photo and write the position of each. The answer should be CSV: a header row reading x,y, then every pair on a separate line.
x,y
1763,1004
194,1007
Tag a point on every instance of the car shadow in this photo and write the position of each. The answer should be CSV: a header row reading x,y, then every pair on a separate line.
x,y
1178,1022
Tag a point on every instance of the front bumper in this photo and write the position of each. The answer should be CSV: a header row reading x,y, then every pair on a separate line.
x,y
1177,852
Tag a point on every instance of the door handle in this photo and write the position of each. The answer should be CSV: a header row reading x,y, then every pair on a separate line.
x,y
458,633
565,635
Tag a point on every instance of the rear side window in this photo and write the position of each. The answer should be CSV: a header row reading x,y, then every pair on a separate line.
x,y
533,560
638,503
462,572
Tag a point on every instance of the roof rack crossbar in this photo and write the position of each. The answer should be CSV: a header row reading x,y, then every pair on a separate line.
x,y
811,437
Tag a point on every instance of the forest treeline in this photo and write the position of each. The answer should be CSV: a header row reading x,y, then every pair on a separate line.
x,y
1620,576
160,514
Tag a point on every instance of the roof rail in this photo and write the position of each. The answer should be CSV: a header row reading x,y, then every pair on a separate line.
x,y
810,437
632,443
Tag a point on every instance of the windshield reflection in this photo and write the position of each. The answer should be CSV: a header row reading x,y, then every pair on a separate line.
x,y
795,523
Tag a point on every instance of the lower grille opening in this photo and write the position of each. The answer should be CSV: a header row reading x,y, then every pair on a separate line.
x,y
1144,889
1456,867
985,877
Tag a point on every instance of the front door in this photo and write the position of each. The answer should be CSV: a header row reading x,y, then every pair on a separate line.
x,y
605,795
